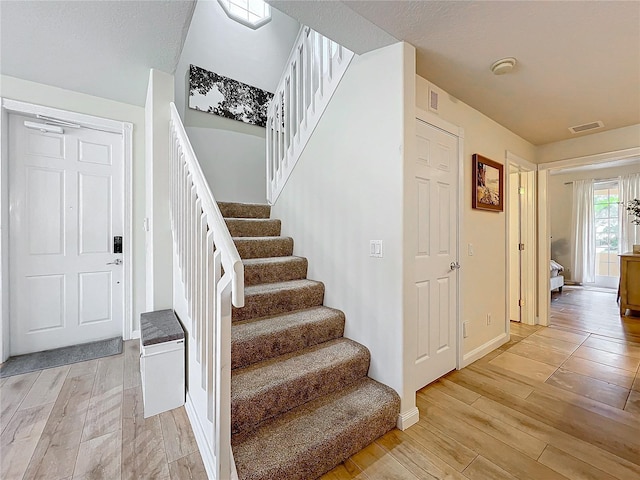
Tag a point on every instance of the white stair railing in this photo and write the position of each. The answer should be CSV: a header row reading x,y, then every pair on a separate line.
x,y
213,278
312,74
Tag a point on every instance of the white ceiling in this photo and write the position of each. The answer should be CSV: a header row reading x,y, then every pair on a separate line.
x,y
102,48
578,61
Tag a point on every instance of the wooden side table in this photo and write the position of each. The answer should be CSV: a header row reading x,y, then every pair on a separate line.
x,y
629,282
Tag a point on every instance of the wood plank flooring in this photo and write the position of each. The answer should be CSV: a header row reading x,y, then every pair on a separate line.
x,y
554,403
589,310
85,421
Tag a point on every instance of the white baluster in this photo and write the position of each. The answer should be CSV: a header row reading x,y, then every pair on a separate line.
x,y
197,265
202,285
192,255
223,361
212,354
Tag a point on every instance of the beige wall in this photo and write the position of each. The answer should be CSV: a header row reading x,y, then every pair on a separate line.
x,y
54,97
483,275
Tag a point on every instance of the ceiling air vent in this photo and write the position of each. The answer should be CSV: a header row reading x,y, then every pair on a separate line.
x,y
585,127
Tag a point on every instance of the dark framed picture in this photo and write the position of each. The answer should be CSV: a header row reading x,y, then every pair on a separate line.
x,y
488,184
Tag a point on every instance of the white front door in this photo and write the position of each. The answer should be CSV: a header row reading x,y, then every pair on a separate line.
x,y
436,256
66,206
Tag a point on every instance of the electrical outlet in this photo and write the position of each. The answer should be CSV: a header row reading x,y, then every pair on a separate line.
x,y
488,319
465,333
470,249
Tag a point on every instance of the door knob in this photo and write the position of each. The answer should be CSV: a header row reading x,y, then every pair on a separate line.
x,y
117,261
454,266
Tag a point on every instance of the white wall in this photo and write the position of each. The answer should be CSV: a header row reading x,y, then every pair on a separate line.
x,y
5,334
603,142
219,154
560,199
255,57
158,240
483,275
346,190
46,95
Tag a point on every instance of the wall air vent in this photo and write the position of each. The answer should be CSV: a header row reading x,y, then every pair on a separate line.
x,y
434,98
586,126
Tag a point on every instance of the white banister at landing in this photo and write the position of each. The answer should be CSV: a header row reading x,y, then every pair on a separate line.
x,y
312,74
203,250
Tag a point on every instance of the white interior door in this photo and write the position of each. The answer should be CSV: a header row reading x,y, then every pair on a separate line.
x,y
66,206
436,255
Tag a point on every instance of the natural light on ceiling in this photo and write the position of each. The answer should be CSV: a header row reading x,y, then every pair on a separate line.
x,y
252,13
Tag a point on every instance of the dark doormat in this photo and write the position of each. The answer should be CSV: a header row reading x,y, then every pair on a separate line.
x,y
60,356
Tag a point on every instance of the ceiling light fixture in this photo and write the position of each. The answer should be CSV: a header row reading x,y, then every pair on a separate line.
x,y
504,65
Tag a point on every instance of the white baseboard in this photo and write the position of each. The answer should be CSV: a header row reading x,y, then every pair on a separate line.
x,y
406,419
135,335
205,452
482,350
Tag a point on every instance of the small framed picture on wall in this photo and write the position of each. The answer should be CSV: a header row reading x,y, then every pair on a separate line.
x,y
488,184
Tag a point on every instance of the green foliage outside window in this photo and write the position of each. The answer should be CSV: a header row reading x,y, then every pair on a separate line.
x,y
633,207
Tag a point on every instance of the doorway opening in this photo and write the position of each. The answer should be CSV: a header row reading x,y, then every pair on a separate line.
x,y
521,240
584,228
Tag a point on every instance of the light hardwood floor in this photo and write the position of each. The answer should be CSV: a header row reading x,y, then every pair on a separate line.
x,y
590,310
85,421
554,403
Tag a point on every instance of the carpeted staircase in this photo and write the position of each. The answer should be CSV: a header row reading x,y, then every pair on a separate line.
x,y
301,401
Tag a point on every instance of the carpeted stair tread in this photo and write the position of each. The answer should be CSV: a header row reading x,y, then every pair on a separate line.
x,y
260,339
263,247
275,298
253,227
274,269
244,210
310,440
269,388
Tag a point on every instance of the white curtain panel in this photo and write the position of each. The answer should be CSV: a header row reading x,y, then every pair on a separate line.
x,y
629,233
583,244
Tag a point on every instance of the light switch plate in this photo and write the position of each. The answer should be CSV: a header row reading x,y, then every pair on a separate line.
x,y
375,248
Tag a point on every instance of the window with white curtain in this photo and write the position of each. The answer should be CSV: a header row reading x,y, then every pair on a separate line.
x,y
606,202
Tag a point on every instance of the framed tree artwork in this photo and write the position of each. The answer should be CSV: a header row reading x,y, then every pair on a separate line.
x,y
488,184
226,97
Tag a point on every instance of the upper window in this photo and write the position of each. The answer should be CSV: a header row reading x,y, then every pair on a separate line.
x,y
252,13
